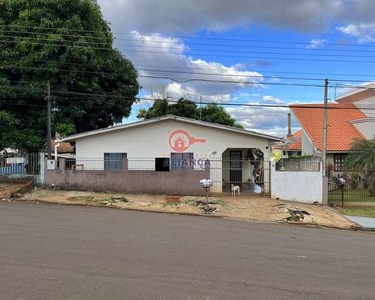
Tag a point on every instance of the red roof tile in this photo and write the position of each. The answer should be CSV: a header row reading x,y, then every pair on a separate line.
x,y
295,141
292,143
341,132
63,148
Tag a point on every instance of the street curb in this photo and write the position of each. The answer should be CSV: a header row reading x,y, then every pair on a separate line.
x,y
115,207
302,224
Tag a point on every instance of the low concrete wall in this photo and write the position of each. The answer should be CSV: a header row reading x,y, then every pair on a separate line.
x,y
16,179
300,186
178,182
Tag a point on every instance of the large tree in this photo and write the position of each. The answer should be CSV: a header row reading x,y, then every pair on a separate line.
x,y
185,108
69,44
362,158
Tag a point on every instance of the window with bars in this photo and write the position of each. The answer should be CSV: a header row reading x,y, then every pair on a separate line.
x,y
339,162
113,161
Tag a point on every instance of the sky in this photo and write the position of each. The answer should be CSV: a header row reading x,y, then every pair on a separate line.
x,y
254,57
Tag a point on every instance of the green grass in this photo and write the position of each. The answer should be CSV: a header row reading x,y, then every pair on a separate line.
x,y
104,200
359,211
217,202
351,196
88,199
190,201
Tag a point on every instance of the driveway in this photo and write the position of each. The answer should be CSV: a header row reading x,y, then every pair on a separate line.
x,y
66,252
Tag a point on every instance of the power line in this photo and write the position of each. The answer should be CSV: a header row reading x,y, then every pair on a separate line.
x,y
251,76
184,80
181,80
91,43
260,71
181,36
200,54
250,105
138,67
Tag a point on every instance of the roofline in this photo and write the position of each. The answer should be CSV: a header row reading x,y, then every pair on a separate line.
x,y
304,131
312,143
355,91
164,118
363,120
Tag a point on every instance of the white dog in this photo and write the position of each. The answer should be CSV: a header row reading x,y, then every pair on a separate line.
x,y
234,189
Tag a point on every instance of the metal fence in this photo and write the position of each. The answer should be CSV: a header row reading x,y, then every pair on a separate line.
x,y
109,163
307,164
19,164
243,173
351,189
134,163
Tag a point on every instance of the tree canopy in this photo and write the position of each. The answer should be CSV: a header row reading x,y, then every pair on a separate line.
x,y
185,108
69,44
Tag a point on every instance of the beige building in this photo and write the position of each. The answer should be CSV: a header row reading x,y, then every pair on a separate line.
x,y
174,143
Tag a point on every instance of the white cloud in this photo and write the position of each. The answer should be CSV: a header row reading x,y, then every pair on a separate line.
x,y
191,16
315,43
363,32
268,120
272,99
219,15
179,71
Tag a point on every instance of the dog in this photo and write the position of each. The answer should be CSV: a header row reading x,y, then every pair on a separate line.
x,y
234,189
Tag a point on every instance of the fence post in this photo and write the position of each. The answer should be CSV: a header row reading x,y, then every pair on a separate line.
x,y
62,164
42,161
125,165
325,191
342,195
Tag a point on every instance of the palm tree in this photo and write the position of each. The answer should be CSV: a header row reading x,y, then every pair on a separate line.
x,y
362,158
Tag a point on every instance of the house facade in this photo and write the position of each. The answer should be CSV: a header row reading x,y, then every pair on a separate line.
x,y
342,129
176,143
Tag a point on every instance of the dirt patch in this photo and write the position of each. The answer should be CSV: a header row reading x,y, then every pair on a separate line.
x,y
6,189
253,208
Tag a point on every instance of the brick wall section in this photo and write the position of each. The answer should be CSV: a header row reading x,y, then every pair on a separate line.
x,y
182,182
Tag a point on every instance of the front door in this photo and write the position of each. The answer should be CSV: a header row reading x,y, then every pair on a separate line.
x,y
236,167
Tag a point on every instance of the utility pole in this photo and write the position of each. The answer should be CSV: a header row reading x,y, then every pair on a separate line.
x,y
200,109
325,117
49,138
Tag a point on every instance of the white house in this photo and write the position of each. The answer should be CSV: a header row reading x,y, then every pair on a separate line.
x,y
172,142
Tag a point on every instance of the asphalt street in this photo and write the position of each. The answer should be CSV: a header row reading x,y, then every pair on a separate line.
x,y
62,252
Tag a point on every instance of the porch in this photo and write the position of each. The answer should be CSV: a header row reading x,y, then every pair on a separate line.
x,y
243,167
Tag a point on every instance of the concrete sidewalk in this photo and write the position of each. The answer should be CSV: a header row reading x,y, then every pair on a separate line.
x,y
366,223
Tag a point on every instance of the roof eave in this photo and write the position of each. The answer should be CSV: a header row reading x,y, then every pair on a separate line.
x,y
75,137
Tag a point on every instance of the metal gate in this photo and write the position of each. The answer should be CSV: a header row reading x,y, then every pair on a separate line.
x,y
241,172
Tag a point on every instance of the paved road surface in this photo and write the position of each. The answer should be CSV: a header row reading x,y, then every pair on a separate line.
x,y
60,253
